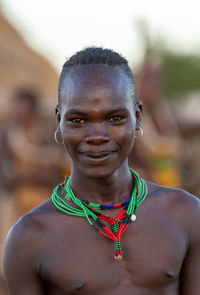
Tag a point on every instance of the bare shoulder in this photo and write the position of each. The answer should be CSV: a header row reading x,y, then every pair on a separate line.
x,y
23,251
184,206
25,238
173,196
30,225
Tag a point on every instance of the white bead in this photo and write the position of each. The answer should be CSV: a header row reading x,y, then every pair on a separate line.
x,y
133,217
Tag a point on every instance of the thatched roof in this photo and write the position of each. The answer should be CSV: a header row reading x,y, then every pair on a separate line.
x,y
21,66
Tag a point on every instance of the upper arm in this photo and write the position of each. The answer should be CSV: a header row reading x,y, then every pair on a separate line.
x,y
19,264
190,274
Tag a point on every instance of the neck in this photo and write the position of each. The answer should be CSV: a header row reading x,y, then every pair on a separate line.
x,y
115,188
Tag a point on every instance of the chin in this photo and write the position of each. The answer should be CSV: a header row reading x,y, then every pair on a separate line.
x,y
98,172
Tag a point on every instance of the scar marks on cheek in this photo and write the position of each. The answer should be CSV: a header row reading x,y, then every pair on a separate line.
x,y
79,285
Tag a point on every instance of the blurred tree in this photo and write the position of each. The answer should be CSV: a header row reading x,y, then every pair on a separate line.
x,y
182,72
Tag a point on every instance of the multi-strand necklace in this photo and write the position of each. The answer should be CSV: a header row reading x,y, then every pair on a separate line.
x,y
92,211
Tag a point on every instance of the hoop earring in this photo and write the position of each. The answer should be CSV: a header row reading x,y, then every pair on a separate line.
x,y
56,139
141,133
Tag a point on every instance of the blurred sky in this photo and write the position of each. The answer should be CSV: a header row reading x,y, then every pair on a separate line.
x,y
58,28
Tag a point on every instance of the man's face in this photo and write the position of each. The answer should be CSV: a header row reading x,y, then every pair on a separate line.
x,y
97,119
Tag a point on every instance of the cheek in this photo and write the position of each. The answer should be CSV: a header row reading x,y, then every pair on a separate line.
x,y
129,141
125,139
71,140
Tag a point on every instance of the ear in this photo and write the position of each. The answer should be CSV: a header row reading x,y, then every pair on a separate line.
x,y
58,115
138,113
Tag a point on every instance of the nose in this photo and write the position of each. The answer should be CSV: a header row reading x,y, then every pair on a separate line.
x,y
97,135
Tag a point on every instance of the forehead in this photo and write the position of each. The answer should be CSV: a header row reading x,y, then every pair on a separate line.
x,y
94,82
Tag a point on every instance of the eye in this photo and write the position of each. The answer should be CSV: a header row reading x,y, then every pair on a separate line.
x,y
77,121
116,119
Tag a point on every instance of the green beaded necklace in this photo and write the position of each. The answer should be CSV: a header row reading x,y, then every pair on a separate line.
x,y
91,210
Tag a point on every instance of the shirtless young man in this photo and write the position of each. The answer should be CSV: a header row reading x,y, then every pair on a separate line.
x,y
55,253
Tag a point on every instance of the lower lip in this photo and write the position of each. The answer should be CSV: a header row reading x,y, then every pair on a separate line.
x,y
100,160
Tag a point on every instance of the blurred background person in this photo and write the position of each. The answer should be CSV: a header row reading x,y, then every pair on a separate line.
x,y
28,147
170,146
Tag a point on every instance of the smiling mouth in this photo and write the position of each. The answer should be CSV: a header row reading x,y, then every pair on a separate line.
x,y
97,157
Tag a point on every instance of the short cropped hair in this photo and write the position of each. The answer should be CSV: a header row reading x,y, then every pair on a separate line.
x,y
96,56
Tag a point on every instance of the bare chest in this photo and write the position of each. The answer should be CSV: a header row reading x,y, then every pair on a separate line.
x,y
79,259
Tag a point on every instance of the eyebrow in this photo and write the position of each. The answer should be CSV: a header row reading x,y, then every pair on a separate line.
x,y
74,111
80,113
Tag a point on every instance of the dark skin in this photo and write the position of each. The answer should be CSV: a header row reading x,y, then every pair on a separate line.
x,y
49,252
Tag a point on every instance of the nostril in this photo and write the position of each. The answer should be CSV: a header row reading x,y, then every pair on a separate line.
x,y
97,138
